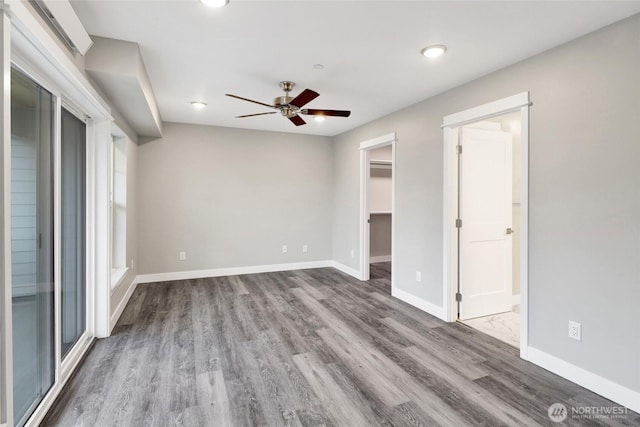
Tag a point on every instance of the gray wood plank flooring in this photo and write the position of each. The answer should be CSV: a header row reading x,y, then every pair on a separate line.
x,y
304,348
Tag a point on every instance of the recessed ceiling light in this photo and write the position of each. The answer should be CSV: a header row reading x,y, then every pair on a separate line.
x,y
318,66
198,105
215,3
319,119
434,51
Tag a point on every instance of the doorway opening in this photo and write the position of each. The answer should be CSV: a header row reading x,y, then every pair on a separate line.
x,y
376,211
486,205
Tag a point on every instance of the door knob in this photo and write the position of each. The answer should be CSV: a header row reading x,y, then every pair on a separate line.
x,y
509,230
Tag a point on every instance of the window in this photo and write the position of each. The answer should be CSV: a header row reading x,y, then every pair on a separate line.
x,y
118,210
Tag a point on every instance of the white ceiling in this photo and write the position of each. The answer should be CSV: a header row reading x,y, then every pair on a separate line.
x,y
370,50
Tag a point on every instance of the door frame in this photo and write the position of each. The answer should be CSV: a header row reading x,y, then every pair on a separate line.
x,y
365,176
26,45
450,126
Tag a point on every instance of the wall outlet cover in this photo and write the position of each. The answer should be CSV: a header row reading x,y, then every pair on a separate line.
x,y
284,249
182,255
575,330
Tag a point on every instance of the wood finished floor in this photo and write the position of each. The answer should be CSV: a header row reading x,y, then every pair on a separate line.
x,y
303,348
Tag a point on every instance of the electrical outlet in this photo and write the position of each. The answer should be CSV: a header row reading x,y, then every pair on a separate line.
x,y
132,263
305,249
418,276
353,253
284,249
575,330
182,255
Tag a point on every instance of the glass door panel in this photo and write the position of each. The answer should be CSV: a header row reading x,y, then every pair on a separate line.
x,y
73,283
32,118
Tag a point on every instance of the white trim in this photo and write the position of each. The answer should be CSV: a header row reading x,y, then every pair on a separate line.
x,y
74,355
101,133
380,141
70,24
231,271
524,233
117,277
420,303
602,386
6,328
381,258
515,299
364,236
449,239
485,111
79,351
123,303
37,47
346,269
57,235
519,102
365,147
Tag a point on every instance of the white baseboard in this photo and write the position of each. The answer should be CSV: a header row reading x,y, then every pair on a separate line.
x,y
602,386
345,269
381,258
420,303
232,271
515,299
123,303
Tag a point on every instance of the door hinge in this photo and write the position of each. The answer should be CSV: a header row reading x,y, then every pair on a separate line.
x,y
458,297
458,149
458,223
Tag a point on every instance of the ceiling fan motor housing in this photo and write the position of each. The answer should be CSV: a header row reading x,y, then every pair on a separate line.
x,y
282,100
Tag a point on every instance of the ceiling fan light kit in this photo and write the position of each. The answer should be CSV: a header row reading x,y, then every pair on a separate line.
x,y
291,107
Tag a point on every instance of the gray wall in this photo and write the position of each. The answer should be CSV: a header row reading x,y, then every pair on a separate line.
x,y
584,195
231,197
380,235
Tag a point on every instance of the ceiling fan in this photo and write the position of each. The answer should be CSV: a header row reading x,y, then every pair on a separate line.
x,y
291,107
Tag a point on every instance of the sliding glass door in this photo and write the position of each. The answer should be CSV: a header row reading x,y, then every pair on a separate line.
x,y
32,240
35,239
73,277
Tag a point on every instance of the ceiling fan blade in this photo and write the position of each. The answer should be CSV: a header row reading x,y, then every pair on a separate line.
x,y
257,114
331,113
304,98
250,100
297,120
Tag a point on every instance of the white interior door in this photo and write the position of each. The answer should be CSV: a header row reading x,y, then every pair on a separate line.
x,y
486,212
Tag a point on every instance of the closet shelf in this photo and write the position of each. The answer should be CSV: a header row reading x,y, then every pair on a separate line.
x,y
380,213
381,164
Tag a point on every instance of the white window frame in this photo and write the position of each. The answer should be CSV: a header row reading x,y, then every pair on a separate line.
x,y
120,269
